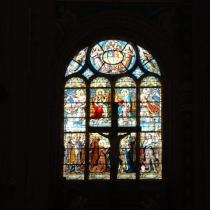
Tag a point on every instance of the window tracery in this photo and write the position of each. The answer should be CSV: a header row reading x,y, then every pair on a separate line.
x,y
113,102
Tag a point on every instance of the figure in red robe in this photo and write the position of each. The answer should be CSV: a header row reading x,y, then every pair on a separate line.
x,y
99,107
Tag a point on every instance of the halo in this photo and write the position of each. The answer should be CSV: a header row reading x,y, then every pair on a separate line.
x,y
124,90
102,143
80,91
101,90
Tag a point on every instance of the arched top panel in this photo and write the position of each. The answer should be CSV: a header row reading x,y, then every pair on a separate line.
x,y
100,82
77,62
125,82
112,56
75,82
148,62
150,81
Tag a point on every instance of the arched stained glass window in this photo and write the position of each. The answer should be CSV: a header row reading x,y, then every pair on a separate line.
x,y
112,113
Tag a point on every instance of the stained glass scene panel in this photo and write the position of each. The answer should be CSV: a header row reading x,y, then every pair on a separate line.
x,y
112,56
127,165
77,63
148,62
100,107
126,100
150,109
99,161
75,102
150,155
74,156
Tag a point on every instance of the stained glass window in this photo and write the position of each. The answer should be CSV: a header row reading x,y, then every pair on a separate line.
x,y
112,113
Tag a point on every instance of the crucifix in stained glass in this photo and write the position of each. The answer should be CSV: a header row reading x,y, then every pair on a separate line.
x,y
112,114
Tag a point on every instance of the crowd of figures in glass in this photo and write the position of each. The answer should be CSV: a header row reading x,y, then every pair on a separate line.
x,y
99,163
74,158
121,73
127,157
112,56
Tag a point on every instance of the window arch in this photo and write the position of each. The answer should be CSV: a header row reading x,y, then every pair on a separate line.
x,y
112,113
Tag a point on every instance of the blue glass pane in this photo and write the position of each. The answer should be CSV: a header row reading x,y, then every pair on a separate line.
x,y
148,61
76,63
74,124
138,73
88,73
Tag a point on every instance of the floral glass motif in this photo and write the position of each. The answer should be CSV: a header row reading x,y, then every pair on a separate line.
x,y
74,155
147,60
125,96
88,73
99,161
127,157
113,56
77,62
89,114
100,82
150,82
75,82
125,82
138,73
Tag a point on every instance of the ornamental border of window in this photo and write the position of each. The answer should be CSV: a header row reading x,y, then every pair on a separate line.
x,y
142,68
